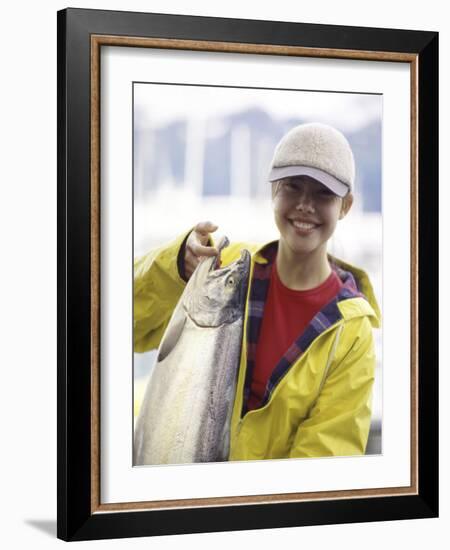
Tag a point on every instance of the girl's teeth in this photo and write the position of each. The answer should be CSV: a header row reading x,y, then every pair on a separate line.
x,y
302,225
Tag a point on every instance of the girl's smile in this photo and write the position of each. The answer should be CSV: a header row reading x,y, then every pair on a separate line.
x,y
306,213
303,226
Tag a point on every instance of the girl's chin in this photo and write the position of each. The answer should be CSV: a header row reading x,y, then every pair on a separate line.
x,y
301,246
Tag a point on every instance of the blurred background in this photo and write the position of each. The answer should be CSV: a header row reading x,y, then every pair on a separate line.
x,y
203,153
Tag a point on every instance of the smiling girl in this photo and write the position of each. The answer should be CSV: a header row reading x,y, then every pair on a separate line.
x,y
307,364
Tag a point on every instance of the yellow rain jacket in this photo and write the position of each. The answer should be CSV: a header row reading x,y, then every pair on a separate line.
x,y
321,405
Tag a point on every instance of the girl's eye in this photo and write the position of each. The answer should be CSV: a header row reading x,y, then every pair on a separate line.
x,y
289,186
326,193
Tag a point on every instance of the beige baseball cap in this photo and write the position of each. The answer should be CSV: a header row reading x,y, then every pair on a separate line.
x,y
318,151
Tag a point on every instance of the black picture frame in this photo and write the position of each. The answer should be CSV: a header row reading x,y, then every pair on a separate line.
x,y
79,515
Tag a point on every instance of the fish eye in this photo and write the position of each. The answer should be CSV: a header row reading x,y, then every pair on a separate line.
x,y
230,281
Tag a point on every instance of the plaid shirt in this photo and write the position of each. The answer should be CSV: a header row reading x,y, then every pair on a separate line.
x,y
326,317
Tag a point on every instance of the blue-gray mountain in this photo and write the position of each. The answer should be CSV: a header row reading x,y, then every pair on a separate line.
x,y
160,155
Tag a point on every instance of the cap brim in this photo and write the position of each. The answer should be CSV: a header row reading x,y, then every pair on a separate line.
x,y
340,189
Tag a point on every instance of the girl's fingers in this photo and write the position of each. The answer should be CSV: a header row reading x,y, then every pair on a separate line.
x,y
198,249
190,263
204,228
188,269
196,246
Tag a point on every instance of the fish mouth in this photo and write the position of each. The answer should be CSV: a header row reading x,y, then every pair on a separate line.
x,y
223,243
245,258
242,263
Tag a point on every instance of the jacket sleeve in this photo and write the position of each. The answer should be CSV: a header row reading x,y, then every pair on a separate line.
x,y
158,285
338,424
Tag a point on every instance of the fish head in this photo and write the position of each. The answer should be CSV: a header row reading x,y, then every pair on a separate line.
x,y
217,295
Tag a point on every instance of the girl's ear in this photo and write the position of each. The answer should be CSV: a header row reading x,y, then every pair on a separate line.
x,y
347,202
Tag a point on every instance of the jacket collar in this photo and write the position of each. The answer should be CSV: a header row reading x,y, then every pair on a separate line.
x,y
350,302
356,284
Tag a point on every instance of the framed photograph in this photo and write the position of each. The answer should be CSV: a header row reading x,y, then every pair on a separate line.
x,y
247,274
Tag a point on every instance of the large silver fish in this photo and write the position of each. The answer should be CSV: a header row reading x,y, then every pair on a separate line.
x,y
186,412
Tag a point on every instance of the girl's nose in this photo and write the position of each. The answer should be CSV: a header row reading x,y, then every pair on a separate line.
x,y
305,203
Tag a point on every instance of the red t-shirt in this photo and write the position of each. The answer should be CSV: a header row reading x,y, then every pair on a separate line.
x,y
287,313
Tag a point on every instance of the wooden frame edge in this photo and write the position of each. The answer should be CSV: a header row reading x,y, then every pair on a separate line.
x,y
234,47
211,46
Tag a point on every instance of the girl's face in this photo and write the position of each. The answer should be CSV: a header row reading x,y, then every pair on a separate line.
x,y
306,213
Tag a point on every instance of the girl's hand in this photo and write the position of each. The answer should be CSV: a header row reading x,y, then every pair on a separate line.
x,y
196,246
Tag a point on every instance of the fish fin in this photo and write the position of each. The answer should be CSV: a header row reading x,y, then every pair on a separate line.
x,y
173,331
